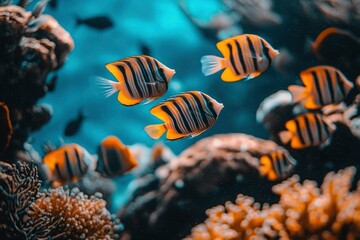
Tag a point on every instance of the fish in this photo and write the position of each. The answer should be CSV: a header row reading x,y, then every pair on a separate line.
x,y
324,85
53,4
6,129
144,49
276,165
306,130
139,78
333,43
74,125
67,164
246,56
97,22
114,158
186,114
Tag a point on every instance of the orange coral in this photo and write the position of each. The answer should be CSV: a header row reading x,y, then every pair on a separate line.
x,y
72,214
303,212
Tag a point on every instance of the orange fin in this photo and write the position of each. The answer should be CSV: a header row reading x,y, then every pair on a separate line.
x,y
285,136
230,76
127,101
130,162
155,131
173,135
310,104
298,93
157,112
264,167
307,77
112,67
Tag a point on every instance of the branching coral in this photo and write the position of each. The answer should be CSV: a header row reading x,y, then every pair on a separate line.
x,y
303,212
25,213
72,214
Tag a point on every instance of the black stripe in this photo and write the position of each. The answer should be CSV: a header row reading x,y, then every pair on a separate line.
x,y
318,127
232,59
58,172
162,73
329,82
298,131
240,55
78,160
123,71
317,85
135,80
278,167
191,110
265,51
104,162
340,83
169,113
145,75
151,67
113,162
202,112
253,53
308,129
209,105
68,165
183,117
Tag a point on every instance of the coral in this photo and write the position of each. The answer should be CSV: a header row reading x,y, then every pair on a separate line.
x,y
26,213
72,214
303,212
32,45
19,185
176,195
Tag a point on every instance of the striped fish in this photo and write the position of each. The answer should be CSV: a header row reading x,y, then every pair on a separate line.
x,y
306,130
324,85
276,165
67,164
115,158
140,78
246,56
189,113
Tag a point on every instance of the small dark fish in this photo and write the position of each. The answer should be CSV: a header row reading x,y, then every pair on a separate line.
x,y
52,83
73,126
5,127
53,4
145,50
98,22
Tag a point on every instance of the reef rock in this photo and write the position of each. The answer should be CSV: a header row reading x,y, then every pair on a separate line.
x,y
167,202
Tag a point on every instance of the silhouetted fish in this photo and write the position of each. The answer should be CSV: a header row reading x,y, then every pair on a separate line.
x,y
73,126
98,22
145,50
52,83
53,4
5,127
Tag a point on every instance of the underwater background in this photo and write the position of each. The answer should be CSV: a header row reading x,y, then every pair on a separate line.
x,y
236,180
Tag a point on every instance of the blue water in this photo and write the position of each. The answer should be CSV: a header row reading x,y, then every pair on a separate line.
x,y
172,40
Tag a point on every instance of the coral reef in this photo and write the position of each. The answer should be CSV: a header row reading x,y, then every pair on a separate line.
x,y
32,45
26,213
303,212
177,193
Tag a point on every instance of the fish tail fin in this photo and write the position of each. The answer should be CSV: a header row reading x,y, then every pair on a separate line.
x,y
155,131
285,136
211,64
298,93
106,86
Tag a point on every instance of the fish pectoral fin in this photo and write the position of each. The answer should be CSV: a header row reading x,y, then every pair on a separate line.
x,y
155,131
126,100
149,100
197,133
229,75
173,135
251,76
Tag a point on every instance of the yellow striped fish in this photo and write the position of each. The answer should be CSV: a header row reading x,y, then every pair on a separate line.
x,y
306,130
324,85
115,158
276,165
67,164
140,78
189,113
246,56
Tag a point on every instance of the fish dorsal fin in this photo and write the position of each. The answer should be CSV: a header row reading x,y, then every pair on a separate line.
x,y
114,69
159,113
126,100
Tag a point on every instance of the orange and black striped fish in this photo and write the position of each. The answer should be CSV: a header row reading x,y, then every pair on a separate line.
x,y
114,158
140,78
5,127
67,164
188,113
246,56
324,85
276,165
306,130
